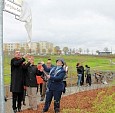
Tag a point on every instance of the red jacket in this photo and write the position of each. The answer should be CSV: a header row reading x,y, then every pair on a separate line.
x,y
39,80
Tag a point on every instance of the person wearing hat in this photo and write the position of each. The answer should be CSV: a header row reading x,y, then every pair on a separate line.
x,y
55,85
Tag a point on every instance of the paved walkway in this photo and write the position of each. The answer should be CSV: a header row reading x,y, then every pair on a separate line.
x,y
70,90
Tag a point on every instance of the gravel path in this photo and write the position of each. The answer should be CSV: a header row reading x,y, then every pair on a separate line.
x,y
70,90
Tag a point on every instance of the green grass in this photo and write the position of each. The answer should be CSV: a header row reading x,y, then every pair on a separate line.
x,y
95,62
113,82
7,79
104,103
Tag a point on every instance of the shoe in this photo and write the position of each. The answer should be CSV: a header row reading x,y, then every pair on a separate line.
x,y
29,108
34,109
5,99
44,111
41,99
24,103
15,110
56,111
19,110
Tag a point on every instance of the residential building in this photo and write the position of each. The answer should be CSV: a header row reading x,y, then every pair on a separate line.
x,y
42,47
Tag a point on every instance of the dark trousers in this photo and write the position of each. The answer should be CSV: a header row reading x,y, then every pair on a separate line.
x,y
24,95
88,79
16,100
40,86
82,80
49,96
65,85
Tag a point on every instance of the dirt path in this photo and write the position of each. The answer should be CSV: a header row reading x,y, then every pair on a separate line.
x,y
70,90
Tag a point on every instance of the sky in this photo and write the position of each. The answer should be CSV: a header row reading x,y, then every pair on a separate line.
x,y
66,23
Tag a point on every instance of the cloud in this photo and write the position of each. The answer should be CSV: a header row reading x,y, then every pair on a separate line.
x,y
74,23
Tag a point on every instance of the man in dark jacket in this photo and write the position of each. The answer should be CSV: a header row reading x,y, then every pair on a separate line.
x,y
31,82
55,85
17,81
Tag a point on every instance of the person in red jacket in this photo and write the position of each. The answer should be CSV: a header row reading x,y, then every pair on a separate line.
x,y
39,80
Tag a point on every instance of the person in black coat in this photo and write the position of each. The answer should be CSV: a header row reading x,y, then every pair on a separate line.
x,y
17,81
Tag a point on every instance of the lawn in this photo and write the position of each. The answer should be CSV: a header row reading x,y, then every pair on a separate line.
x,y
95,62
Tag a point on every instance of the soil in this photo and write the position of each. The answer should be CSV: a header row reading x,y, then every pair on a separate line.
x,y
82,100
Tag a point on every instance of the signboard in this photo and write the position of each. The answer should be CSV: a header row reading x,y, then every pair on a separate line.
x,y
18,1
12,7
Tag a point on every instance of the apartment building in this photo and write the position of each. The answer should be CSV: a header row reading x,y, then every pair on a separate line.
x,y
42,47
46,47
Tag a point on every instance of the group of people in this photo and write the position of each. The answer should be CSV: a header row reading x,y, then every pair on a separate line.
x,y
81,72
24,74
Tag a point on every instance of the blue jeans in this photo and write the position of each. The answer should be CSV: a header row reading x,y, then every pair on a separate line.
x,y
79,79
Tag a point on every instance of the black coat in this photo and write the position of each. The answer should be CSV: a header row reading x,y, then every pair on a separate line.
x,y
79,70
31,72
17,75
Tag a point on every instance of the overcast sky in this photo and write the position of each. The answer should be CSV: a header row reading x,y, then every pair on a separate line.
x,y
73,23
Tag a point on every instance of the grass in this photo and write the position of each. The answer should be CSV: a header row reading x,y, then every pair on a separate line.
x,y
95,62
104,103
113,82
7,79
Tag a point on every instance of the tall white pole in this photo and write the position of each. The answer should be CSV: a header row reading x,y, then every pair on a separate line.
x,y
2,102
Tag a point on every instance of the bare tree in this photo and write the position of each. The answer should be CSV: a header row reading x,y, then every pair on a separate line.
x,y
50,50
66,50
44,51
87,51
80,50
106,49
73,51
57,49
97,51
38,48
